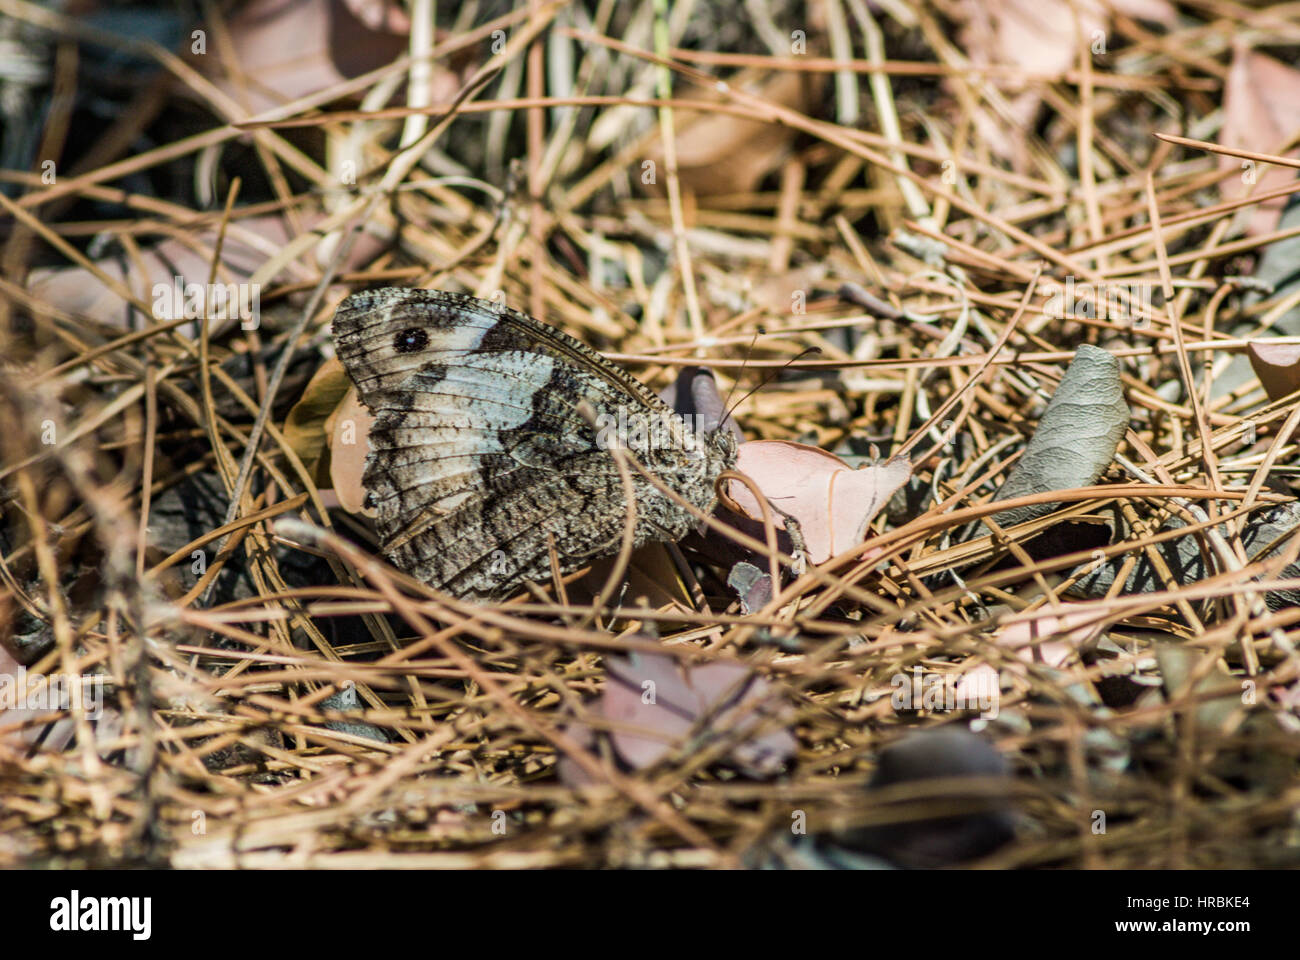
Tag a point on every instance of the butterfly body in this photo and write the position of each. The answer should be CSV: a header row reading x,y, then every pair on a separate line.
x,y
492,438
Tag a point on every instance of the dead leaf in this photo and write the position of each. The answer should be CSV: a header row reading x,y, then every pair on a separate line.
x,y
1277,365
1222,707
1040,36
833,503
752,585
1261,112
1076,438
653,581
25,697
380,15
349,430
247,245
1025,637
776,294
304,427
1265,535
653,701
290,50
719,153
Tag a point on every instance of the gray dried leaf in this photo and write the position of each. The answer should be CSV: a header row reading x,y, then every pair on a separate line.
x,y
1218,715
347,701
1076,437
1263,537
752,585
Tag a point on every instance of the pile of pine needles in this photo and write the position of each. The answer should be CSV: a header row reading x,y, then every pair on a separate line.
x,y
674,191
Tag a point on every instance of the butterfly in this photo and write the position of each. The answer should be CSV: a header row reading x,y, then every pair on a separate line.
x,y
491,442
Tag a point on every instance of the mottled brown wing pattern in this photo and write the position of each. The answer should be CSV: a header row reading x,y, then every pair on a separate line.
x,y
479,452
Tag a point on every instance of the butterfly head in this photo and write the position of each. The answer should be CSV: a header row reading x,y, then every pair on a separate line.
x,y
722,444
712,450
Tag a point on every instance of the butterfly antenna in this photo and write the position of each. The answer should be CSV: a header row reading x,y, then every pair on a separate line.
x,y
766,380
739,373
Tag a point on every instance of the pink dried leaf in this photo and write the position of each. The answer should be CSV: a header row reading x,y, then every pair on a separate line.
x,y
665,699
292,50
647,693
1075,627
1261,112
349,446
249,243
748,696
1277,365
1042,36
833,503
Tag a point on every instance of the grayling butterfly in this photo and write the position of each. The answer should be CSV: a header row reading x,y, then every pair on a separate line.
x,y
491,440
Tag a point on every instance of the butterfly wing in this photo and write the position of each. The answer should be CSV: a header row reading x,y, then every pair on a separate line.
x,y
480,455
